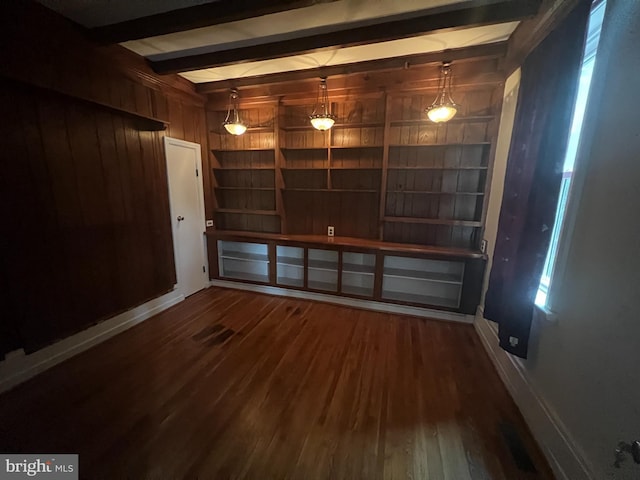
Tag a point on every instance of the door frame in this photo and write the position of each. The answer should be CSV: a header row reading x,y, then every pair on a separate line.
x,y
201,213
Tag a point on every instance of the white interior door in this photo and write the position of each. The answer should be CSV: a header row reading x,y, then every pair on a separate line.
x,y
184,165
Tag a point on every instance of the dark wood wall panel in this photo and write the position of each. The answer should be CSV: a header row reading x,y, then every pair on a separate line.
x,y
87,230
353,214
438,235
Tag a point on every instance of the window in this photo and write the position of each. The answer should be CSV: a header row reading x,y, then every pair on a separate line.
x,y
588,62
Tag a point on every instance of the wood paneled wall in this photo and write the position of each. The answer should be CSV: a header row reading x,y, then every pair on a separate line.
x,y
86,232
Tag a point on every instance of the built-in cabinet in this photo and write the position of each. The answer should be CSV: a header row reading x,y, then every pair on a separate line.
x,y
407,197
382,172
394,273
358,273
290,266
422,280
243,261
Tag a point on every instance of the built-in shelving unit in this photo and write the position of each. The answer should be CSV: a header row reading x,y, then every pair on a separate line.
x,y
367,269
322,270
384,174
244,172
289,266
358,273
422,281
243,261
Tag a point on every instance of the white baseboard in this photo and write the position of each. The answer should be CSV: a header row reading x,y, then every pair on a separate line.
x,y
562,453
347,301
18,367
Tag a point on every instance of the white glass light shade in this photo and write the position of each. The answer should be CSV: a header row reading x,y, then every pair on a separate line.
x,y
321,118
322,122
233,124
443,107
235,128
442,113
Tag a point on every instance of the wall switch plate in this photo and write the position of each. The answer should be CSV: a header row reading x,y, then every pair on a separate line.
x,y
209,223
483,245
330,231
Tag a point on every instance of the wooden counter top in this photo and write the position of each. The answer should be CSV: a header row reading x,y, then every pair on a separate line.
x,y
323,240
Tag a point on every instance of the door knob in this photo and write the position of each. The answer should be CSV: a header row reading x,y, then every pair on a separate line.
x,y
180,218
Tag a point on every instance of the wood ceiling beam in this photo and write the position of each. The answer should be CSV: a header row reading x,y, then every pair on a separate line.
x,y
492,50
424,22
198,16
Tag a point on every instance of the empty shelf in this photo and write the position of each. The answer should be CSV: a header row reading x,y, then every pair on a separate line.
x,y
421,275
249,257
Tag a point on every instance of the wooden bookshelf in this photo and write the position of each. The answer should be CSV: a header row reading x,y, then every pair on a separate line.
x,y
244,171
383,172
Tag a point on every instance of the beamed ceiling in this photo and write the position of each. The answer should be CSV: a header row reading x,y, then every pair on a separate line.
x,y
215,43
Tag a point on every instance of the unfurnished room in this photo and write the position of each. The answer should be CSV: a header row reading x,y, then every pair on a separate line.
x,y
320,239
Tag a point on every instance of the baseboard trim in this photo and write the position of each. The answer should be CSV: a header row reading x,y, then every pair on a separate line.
x,y
347,301
18,367
562,453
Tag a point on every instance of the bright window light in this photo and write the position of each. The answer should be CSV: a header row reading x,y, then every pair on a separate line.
x,y
588,62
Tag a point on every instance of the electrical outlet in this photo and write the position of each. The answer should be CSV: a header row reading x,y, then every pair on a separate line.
x,y
330,231
209,223
483,245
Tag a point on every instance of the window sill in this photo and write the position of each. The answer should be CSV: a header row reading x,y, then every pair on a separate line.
x,y
545,315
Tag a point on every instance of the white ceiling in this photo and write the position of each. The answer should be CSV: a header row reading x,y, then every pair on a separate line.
x,y
408,46
279,26
286,25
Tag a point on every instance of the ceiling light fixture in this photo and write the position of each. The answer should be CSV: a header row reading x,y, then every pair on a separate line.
x,y
443,107
233,124
321,118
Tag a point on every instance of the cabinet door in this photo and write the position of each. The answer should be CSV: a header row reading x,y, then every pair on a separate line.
x,y
358,273
422,281
323,270
243,261
290,266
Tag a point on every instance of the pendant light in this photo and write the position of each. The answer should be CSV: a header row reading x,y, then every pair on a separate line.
x,y
321,118
443,107
233,124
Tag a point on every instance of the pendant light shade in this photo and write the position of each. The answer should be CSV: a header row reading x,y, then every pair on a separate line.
x,y
233,124
443,107
321,118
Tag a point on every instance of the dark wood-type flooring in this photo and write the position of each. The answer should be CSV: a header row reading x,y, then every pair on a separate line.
x,y
231,384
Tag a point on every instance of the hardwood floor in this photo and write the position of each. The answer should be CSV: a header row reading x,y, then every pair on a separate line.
x,y
231,384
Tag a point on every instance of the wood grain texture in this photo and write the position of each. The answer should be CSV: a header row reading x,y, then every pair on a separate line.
x,y
232,384
382,172
87,232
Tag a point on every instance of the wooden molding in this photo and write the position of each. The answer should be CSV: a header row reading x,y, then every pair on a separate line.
x,y
350,35
528,35
189,18
43,48
137,68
